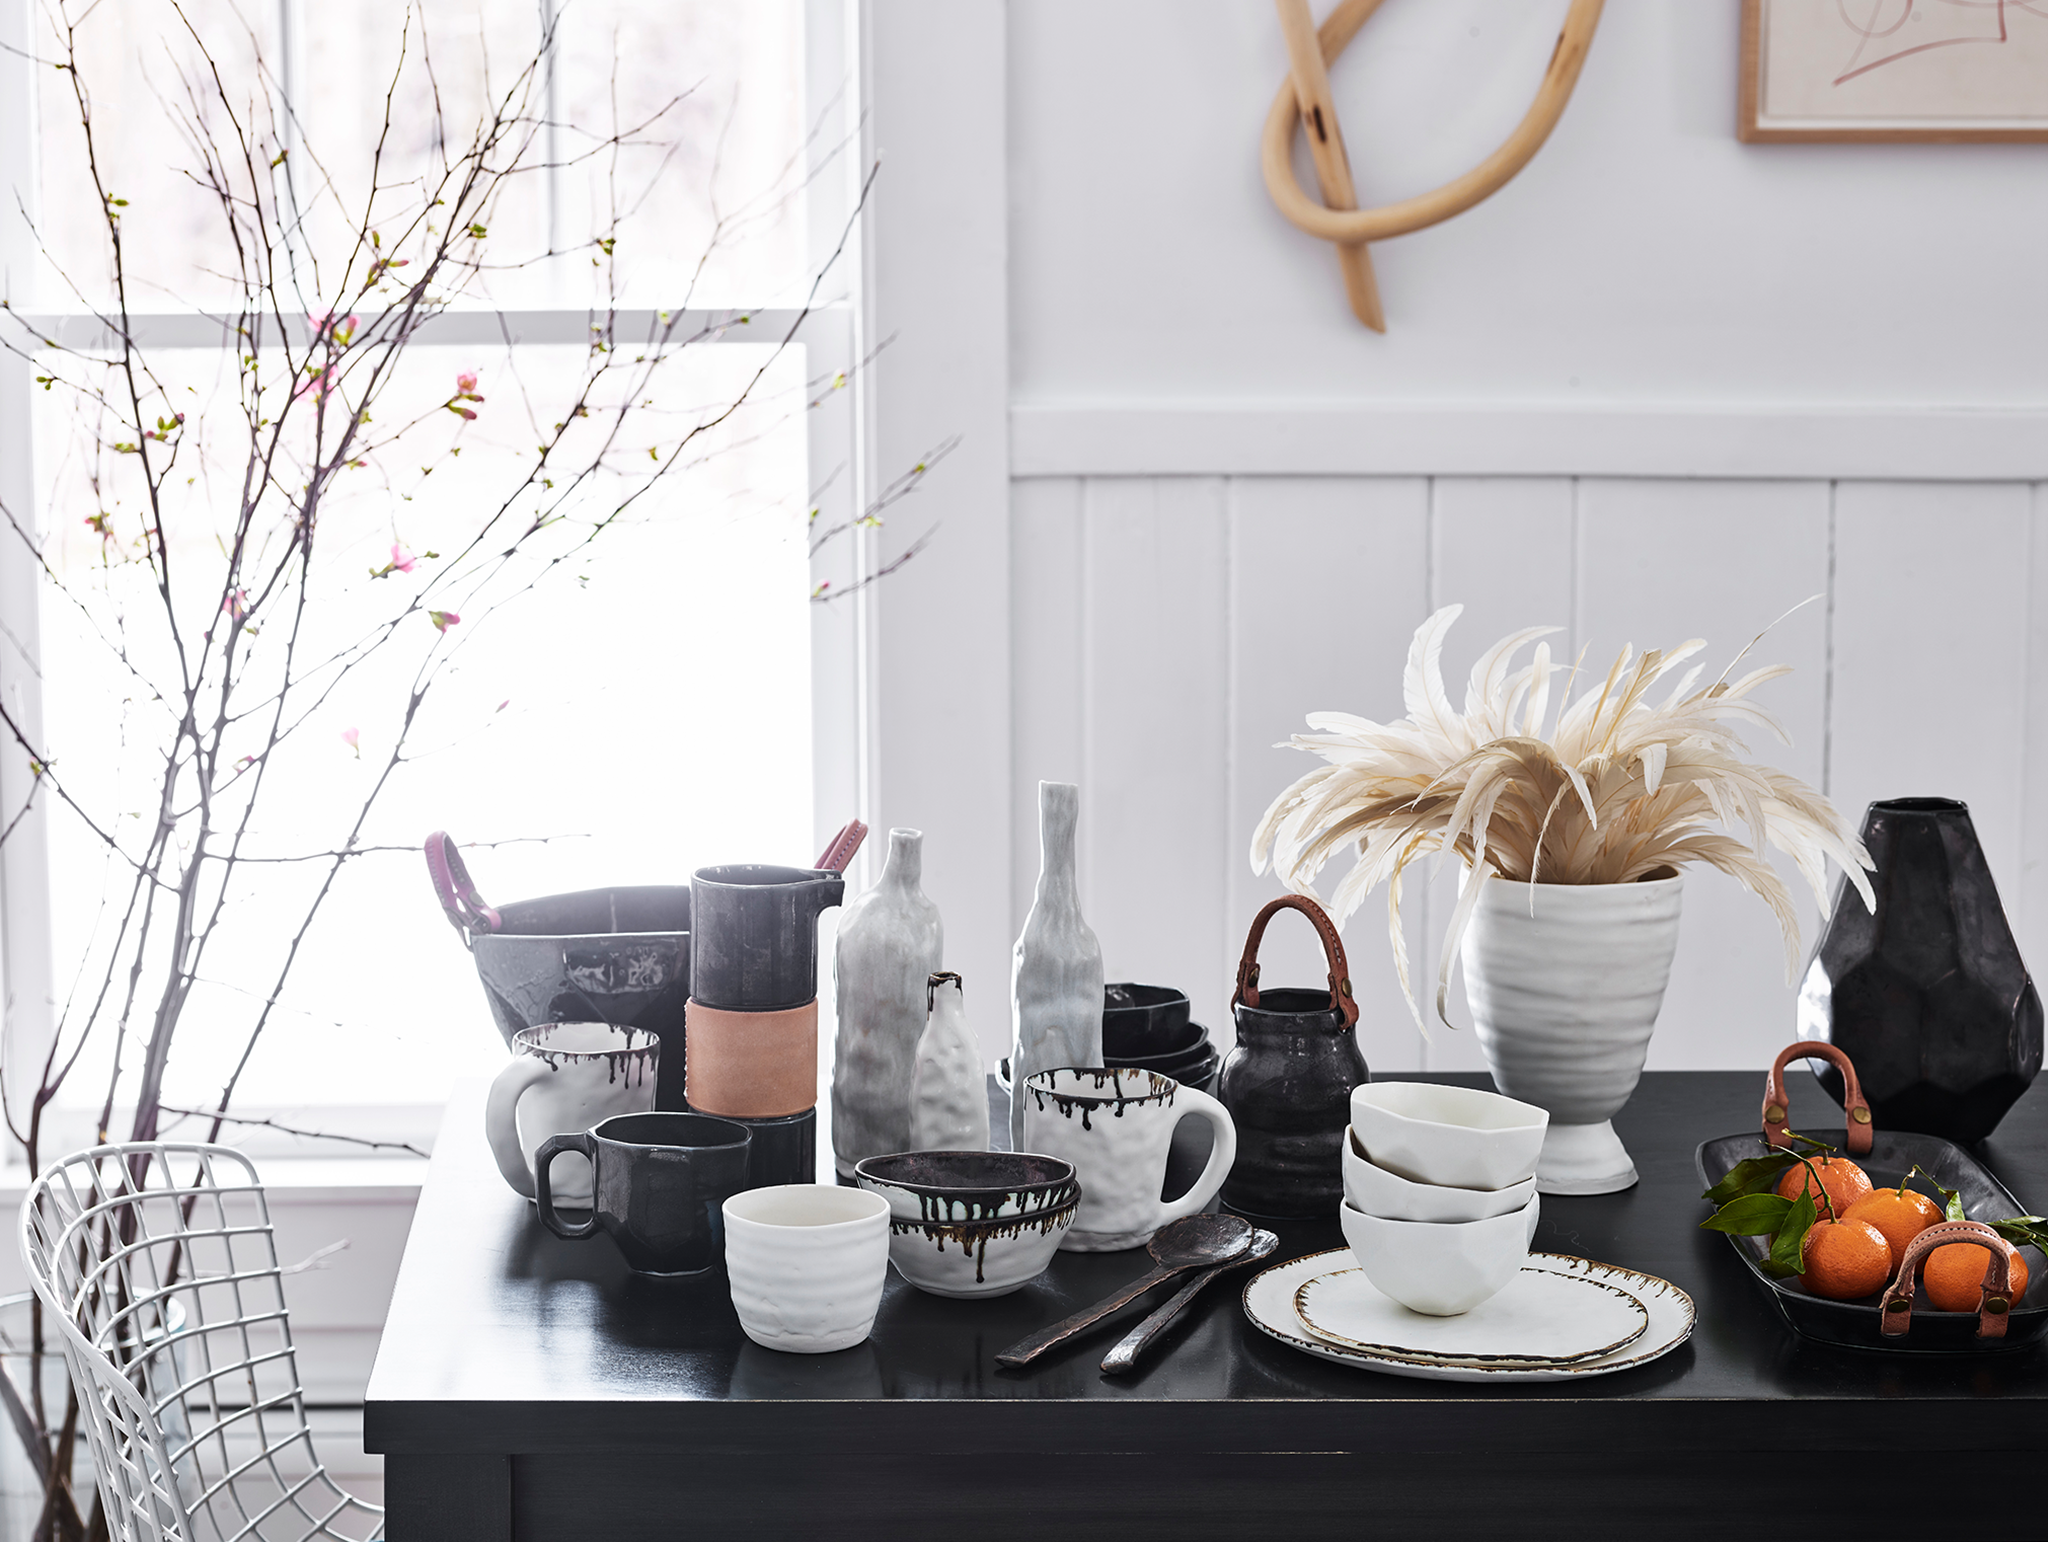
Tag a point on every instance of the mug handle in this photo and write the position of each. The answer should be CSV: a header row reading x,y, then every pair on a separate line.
x,y
1221,1155
551,1148
501,1119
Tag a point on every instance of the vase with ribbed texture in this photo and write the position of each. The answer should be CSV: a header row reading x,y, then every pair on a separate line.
x,y
1565,993
948,1089
890,944
1056,970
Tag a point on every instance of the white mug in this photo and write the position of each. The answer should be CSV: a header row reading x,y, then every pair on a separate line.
x,y
1115,1127
806,1263
564,1078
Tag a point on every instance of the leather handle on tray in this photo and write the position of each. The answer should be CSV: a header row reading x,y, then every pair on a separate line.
x,y
1994,1303
466,909
1333,952
1777,1130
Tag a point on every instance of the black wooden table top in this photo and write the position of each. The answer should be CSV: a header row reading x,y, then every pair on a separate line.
x,y
503,1341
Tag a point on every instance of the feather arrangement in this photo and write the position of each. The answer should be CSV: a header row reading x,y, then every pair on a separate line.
x,y
1633,780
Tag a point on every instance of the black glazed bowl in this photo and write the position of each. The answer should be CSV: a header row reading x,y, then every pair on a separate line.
x,y
1196,1048
962,1186
1126,1045
1144,1019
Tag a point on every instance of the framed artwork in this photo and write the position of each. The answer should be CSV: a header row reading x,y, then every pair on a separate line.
x,y
1893,71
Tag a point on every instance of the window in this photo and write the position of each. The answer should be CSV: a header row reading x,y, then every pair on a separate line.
x,y
646,708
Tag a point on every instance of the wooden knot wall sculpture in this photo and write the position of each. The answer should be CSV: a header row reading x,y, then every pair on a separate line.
x,y
1305,98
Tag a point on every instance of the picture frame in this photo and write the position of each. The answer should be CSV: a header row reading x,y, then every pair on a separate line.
x,y
1894,72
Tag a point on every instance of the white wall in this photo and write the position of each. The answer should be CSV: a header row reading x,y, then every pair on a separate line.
x,y
1663,385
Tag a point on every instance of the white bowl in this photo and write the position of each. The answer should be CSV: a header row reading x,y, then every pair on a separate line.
x,y
1457,1136
1391,1197
1440,1268
807,1263
978,1258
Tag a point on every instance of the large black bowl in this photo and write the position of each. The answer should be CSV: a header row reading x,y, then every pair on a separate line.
x,y
1196,1046
1145,1019
1144,1044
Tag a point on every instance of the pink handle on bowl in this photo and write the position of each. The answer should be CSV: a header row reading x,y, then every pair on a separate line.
x,y
465,908
843,846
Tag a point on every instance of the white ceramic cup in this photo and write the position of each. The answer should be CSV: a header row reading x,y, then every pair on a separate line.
x,y
1115,1127
564,1078
1371,1188
1440,1268
1458,1136
807,1263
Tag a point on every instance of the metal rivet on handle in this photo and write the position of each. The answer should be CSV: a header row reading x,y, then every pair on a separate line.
x,y
1860,1115
1898,1306
1997,1306
1345,987
1774,1115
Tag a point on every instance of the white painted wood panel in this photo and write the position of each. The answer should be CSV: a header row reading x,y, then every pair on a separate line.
x,y
1328,580
1660,562
2030,913
1155,722
1501,547
1932,644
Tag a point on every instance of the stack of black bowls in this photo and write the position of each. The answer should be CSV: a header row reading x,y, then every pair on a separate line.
x,y
1147,1027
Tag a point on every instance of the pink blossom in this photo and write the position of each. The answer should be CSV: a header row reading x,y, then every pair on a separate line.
x,y
443,619
401,559
351,737
467,414
237,603
465,382
319,385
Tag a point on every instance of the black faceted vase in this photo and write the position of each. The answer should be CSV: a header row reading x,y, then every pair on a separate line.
x,y
1928,997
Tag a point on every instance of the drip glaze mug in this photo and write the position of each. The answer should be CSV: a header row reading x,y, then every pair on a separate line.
x,y
566,1076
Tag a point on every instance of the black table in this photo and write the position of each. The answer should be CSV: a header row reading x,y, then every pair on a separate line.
x,y
533,1388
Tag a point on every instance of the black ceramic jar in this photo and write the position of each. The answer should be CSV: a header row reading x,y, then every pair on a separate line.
x,y
1288,1082
1928,996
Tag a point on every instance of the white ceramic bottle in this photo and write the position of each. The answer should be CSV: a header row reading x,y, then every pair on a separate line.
x,y
890,945
1056,971
949,1089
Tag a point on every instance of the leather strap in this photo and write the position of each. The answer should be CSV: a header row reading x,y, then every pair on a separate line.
x,y
1777,1128
466,910
1993,1305
1333,953
750,1065
844,845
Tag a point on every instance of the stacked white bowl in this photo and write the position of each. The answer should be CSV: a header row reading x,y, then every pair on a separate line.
x,y
1440,1191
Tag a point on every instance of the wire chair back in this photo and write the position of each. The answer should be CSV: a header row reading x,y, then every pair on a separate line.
x,y
158,1262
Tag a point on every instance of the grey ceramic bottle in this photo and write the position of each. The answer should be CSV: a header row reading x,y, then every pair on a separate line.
x,y
1056,971
890,945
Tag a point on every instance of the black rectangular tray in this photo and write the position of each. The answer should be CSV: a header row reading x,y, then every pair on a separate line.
x,y
1854,1324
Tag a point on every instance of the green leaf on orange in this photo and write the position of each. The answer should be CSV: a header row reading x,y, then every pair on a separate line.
x,y
1751,1215
1788,1247
1751,1176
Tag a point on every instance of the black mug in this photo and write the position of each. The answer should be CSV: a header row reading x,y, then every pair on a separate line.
x,y
659,1183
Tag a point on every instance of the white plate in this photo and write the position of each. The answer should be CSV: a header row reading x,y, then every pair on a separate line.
x,y
1269,1303
1540,1317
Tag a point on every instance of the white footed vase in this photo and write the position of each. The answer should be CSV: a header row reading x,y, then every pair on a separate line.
x,y
890,944
1565,995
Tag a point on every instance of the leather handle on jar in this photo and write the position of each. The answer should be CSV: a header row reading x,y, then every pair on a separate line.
x,y
1994,1303
1778,1130
1333,952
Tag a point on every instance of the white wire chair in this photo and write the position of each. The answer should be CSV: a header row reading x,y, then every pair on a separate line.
x,y
170,1305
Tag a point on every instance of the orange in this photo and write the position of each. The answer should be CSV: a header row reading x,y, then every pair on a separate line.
x,y
1846,1259
1842,1183
1954,1277
1901,1214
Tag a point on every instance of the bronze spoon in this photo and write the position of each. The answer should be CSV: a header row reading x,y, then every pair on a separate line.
x,y
1133,1344
1192,1242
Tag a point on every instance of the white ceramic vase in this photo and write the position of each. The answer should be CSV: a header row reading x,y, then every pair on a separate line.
x,y
948,1089
1564,998
1056,970
890,944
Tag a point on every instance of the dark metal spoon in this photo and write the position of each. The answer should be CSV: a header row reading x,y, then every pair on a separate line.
x,y
1192,1242
1133,1344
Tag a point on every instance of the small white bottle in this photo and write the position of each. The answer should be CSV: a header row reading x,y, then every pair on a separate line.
x,y
948,1089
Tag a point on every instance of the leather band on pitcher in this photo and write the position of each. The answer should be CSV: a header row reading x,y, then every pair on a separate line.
x,y
1777,1111
1341,999
750,1065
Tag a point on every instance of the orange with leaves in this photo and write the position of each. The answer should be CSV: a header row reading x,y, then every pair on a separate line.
x,y
1901,1214
1842,1183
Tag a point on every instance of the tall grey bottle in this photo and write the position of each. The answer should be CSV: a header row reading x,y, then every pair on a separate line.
x,y
1056,971
890,945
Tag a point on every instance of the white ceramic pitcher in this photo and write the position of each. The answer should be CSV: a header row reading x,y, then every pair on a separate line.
x,y
564,1078
1115,1126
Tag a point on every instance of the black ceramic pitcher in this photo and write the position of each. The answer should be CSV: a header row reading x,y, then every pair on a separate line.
x,y
1929,996
1288,1082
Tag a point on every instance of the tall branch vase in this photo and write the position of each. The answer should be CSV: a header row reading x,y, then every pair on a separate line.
x,y
1565,987
890,945
1056,971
